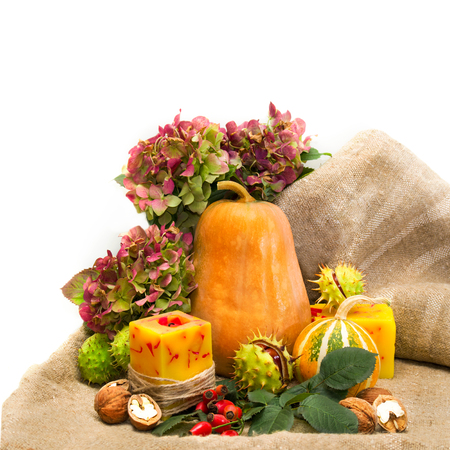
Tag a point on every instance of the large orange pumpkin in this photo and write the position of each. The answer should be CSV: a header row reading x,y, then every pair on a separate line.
x,y
248,275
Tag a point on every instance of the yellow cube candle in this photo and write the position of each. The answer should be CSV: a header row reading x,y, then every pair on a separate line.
x,y
173,345
378,321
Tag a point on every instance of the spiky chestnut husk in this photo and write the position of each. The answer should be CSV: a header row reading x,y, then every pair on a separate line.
x,y
95,361
263,363
120,348
338,284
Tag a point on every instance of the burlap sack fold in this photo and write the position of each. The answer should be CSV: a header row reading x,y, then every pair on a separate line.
x,y
374,204
378,206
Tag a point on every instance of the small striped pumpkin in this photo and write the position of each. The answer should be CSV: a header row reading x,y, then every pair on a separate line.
x,y
323,336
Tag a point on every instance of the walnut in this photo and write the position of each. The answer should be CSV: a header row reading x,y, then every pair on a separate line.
x,y
370,394
364,411
144,412
111,401
391,413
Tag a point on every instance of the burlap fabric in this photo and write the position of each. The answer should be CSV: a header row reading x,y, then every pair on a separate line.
x,y
373,204
376,205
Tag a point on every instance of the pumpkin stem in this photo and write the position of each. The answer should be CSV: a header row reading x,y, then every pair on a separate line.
x,y
350,302
240,190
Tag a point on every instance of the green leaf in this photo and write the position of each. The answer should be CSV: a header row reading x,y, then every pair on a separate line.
x,y
260,396
292,392
119,179
184,190
197,188
272,419
173,209
165,219
327,416
191,221
275,401
148,215
317,385
175,149
204,172
251,412
195,182
182,217
138,287
306,171
172,200
216,194
188,198
345,367
162,303
204,147
161,176
213,136
73,289
297,399
121,304
212,162
185,307
312,154
198,207
206,190
170,423
334,394
173,285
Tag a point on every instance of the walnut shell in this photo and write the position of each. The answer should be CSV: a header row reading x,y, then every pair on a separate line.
x,y
395,423
365,412
140,423
111,401
370,394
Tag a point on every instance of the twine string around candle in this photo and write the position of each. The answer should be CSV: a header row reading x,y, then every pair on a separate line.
x,y
172,396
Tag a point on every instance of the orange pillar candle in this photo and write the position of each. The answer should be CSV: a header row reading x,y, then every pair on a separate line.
x,y
173,345
378,321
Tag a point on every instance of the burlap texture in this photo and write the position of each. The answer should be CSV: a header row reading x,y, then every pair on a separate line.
x,y
374,204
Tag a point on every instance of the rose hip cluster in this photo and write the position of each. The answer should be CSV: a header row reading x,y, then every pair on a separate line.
x,y
222,414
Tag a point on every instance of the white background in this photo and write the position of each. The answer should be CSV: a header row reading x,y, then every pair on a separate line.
x,y
83,81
